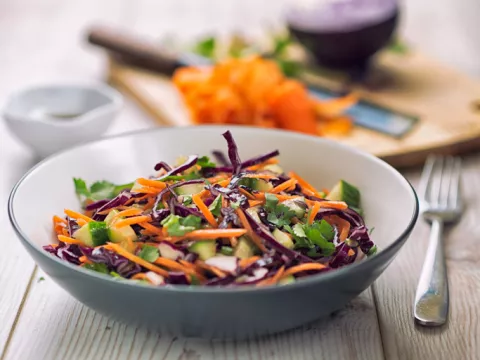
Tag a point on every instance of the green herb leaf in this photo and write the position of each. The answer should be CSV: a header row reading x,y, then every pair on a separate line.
x,y
281,215
191,221
149,253
206,47
81,188
321,233
40,279
98,267
187,200
115,275
204,162
216,206
98,190
178,226
194,280
271,202
226,250
373,250
289,68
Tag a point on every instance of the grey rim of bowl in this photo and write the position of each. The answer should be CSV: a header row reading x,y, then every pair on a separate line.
x,y
306,281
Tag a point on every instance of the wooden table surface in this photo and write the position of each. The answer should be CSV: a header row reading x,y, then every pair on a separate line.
x,y
41,41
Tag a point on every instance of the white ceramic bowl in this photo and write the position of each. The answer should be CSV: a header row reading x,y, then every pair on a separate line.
x,y
389,202
54,117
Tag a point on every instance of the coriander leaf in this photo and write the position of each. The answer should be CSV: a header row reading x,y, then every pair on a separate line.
x,y
194,280
298,230
204,162
175,227
371,230
206,47
98,267
281,215
81,188
321,233
149,253
119,188
271,202
115,275
102,190
372,251
41,278
187,199
216,206
191,221
192,176
226,250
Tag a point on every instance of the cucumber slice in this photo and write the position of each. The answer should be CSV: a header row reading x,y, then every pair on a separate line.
x,y
125,234
94,233
253,212
245,248
343,191
274,168
283,238
189,189
287,280
296,207
205,249
256,184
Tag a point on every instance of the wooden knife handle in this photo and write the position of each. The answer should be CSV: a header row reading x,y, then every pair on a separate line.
x,y
134,51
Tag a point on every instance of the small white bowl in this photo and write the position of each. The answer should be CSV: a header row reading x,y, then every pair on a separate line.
x,y
53,117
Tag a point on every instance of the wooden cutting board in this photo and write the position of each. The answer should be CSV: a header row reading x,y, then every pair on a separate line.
x,y
446,102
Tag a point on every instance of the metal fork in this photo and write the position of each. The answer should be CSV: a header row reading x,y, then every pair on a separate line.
x,y
441,204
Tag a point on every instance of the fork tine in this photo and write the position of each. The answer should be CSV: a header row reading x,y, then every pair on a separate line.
x,y
436,181
426,177
454,191
447,175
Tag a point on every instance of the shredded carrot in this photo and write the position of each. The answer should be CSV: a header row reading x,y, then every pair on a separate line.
x,y
224,183
150,203
204,210
139,276
138,260
350,252
69,240
124,213
313,212
83,259
333,204
81,222
261,196
253,203
233,241
132,220
278,275
252,235
263,164
343,226
303,267
212,269
151,183
153,229
171,264
60,230
243,263
246,193
260,176
147,190
283,186
58,219
310,190
77,215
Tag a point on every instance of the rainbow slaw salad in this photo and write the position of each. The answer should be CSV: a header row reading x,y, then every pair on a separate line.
x,y
228,223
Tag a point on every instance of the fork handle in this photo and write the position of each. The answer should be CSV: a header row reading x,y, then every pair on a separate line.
x,y
431,299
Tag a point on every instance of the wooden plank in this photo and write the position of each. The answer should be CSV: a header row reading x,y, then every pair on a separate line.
x,y
395,290
55,326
